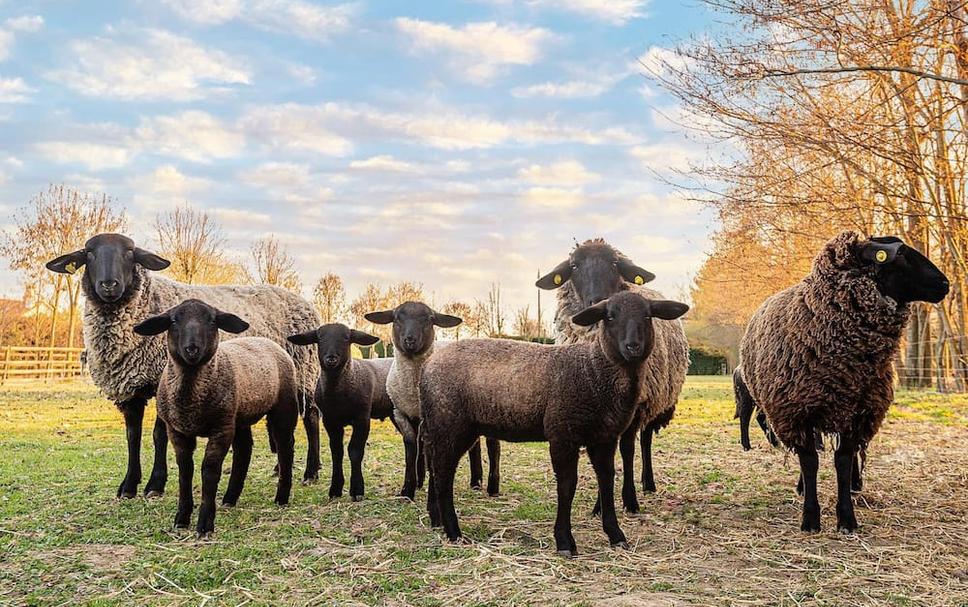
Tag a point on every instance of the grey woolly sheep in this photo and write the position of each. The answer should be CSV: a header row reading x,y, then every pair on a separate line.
x,y
575,395
120,291
595,270
219,391
817,357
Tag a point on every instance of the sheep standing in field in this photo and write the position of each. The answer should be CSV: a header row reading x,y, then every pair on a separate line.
x,y
576,395
595,271
817,357
413,345
349,392
220,391
119,291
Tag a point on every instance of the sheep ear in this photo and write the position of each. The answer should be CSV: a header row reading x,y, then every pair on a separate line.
x,y
446,321
230,322
381,318
591,314
68,264
879,252
363,339
667,310
149,260
556,277
634,274
154,325
304,339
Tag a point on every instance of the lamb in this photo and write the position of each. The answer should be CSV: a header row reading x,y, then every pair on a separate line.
x,y
595,271
581,394
220,391
119,291
817,357
413,345
349,393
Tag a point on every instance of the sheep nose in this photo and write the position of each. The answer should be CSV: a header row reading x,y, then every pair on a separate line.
x,y
109,285
330,360
633,348
191,350
409,341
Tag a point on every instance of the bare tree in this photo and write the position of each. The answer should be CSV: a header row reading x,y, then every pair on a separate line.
x,y
329,297
460,310
274,265
495,311
525,325
193,242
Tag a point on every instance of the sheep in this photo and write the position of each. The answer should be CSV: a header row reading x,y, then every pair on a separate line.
x,y
220,391
817,357
581,394
119,290
349,392
413,345
594,271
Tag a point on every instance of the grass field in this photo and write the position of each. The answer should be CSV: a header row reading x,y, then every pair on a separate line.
x,y
722,530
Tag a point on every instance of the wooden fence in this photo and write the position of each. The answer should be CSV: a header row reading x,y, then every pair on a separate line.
x,y
31,363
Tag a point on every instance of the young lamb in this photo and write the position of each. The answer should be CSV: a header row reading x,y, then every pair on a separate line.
x,y
119,291
349,393
582,394
219,391
817,357
595,271
413,345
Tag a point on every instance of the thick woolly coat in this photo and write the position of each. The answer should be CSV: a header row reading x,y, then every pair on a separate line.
x,y
819,354
665,370
124,364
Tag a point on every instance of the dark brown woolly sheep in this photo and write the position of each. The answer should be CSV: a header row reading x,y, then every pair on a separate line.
x,y
817,357
220,391
575,395
349,392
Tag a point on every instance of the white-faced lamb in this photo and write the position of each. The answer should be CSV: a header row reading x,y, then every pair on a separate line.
x,y
594,271
120,290
818,357
349,392
577,395
219,391
413,346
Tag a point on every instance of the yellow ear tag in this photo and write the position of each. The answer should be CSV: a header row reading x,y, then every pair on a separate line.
x,y
881,256
639,280
71,268
557,279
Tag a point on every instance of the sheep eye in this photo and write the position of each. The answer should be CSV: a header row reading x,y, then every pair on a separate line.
x,y
574,266
610,318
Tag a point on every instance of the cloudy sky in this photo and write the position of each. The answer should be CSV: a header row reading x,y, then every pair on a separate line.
x,y
454,144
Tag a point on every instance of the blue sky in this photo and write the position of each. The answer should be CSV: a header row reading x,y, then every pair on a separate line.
x,y
454,144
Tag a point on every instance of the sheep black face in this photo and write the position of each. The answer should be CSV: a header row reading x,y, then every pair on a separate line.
x,y
413,325
596,272
192,328
901,272
333,344
627,333
110,261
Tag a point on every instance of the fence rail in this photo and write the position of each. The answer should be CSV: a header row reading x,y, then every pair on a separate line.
x,y
37,363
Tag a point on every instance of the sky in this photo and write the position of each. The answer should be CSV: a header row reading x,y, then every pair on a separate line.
x,y
455,144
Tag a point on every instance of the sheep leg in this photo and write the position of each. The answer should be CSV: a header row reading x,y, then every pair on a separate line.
x,y
433,500
335,433
648,478
410,457
215,451
356,449
311,423
442,471
272,445
134,412
856,475
603,460
809,463
630,500
493,467
159,469
421,462
283,424
184,447
564,461
477,470
744,408
844,459
241,456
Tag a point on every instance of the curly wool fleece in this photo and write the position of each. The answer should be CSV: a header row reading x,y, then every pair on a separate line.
x,y
818,355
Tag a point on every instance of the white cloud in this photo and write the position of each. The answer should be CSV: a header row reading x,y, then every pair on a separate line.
x,y
659,61
94,156
479,50
209,12
384,163
277,174
6,43
292,17
563,173
571,89
25,23
302,73
240,218
191,135
615,12
666,156
167,180
148,64
14,90
295,126
560,198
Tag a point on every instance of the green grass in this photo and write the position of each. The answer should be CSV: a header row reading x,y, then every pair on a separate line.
x,y
723,528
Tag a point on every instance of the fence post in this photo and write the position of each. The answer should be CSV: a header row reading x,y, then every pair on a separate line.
x,y
6,365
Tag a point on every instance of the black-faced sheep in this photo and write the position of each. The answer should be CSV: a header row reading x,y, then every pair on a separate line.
x,y
349,392
817,357
595,271
413,345
219,391
120,291
575,395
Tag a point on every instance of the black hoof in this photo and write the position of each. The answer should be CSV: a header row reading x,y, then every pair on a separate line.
x,y
127,490
356,498
623,545
810,526
228,503
204,536
154,493
281,502
568,553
